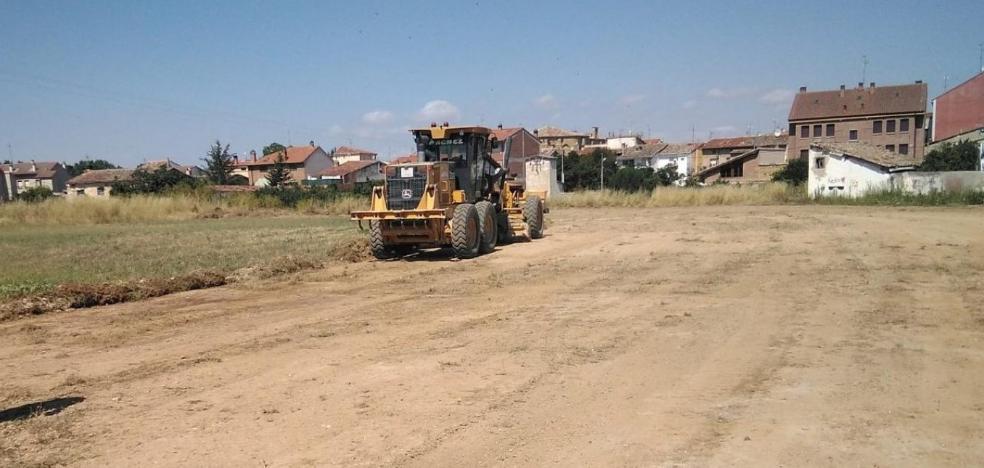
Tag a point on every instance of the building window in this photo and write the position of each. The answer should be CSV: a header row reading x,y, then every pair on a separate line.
x,y
804,154
852,135
890,126
80,192
819,162
830,130
890,148
903,149
876,126
805,131
817,131
101,191
919,121
904,125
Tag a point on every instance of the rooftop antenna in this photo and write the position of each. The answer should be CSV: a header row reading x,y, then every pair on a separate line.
x,y
864,68
980,55
10,152
946,82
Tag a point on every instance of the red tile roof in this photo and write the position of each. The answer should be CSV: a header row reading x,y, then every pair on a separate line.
x,y
747,141
351,150
900,99
345,169
101,176
549,132
405,159
292,155
503,133
871,153
41,169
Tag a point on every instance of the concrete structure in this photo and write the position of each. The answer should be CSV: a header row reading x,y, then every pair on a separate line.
x,y
25,175
622,143
541,175
564,141
302,162
348,174
719,150
960,111
751,167
522,145
344,154
853,169
660,155
891,117
96,183
924,183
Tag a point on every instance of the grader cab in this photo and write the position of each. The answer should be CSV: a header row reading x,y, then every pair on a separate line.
x,y
456,195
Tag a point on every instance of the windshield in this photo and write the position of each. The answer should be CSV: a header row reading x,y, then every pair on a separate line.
x,y
446,149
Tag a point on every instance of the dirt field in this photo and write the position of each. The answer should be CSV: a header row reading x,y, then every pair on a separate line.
x,y
748,336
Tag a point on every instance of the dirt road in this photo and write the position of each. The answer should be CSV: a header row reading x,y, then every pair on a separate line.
x,y
749,336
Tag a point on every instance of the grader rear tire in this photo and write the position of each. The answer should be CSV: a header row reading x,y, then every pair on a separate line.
x,y
376,245
465,234
533,215
487,226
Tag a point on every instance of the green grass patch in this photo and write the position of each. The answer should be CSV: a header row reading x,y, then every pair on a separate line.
x,y
36,258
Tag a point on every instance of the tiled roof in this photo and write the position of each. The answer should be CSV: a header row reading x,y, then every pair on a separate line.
x,y
405,159
900,99
101,176
344,150
292,155
740,157
42,169
503,133
642,151
871,153
347,168
678,148
754,141
548,132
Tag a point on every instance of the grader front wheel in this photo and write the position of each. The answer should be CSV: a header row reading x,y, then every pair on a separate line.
x,y
533,215
376,244
465,234
487,226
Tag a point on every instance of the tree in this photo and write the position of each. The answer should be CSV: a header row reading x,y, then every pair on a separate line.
x,y
161,180
795,172
35,194
279,175
667,175
89,165
963,156
218,164
273,148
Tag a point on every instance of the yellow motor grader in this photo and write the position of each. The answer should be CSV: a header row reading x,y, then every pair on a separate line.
x,y
456,195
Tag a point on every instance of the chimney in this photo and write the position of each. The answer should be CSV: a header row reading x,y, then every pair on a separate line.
x,y
594,132
499,126
918,81
861,85
536,132
253,154
312,143
872,84
235,160
802,89
34,167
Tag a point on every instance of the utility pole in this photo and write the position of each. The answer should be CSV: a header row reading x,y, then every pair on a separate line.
x,y
864,68
602,172
10,152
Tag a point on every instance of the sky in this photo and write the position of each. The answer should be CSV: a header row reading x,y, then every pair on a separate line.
x,y
130,81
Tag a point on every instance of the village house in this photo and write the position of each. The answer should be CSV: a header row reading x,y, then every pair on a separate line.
x,y
958,114
522,145
852,169
302,162
620,144
751,167
344,154
346,175
541,175
891,117
643,155
719,150
564,141
188,170
96,183
405,159
25,175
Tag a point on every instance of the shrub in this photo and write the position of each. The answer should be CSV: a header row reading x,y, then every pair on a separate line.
x,y
963,156
35,194
795,173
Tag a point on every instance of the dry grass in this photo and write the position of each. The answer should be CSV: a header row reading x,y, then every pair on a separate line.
x,y
82,211
762,194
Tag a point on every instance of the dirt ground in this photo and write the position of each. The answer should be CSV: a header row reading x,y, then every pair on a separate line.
x,y
726,336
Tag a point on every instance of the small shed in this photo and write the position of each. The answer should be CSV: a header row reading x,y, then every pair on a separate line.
x,y
853,169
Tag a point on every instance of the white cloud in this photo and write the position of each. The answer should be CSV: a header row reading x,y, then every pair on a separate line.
x,y
728,93
547,101
439,110
377,117
778,96
632,99
690,104
336,129
724,129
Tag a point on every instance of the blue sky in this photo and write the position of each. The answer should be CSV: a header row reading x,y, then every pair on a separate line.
x,y
134,80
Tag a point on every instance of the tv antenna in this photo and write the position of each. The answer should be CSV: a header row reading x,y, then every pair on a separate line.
x,y
980,55
864,68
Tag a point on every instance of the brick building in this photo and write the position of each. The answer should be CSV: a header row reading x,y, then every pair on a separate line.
x,y
958,114
890,117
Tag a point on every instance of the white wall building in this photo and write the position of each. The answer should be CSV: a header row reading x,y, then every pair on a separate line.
x,y
853,169
541,175
623,142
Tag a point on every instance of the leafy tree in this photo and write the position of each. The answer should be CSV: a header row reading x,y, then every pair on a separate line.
x,y
89,165
279,174
273,148
218,164
963,156
667,175
795,172
35,194
584,171
161,180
